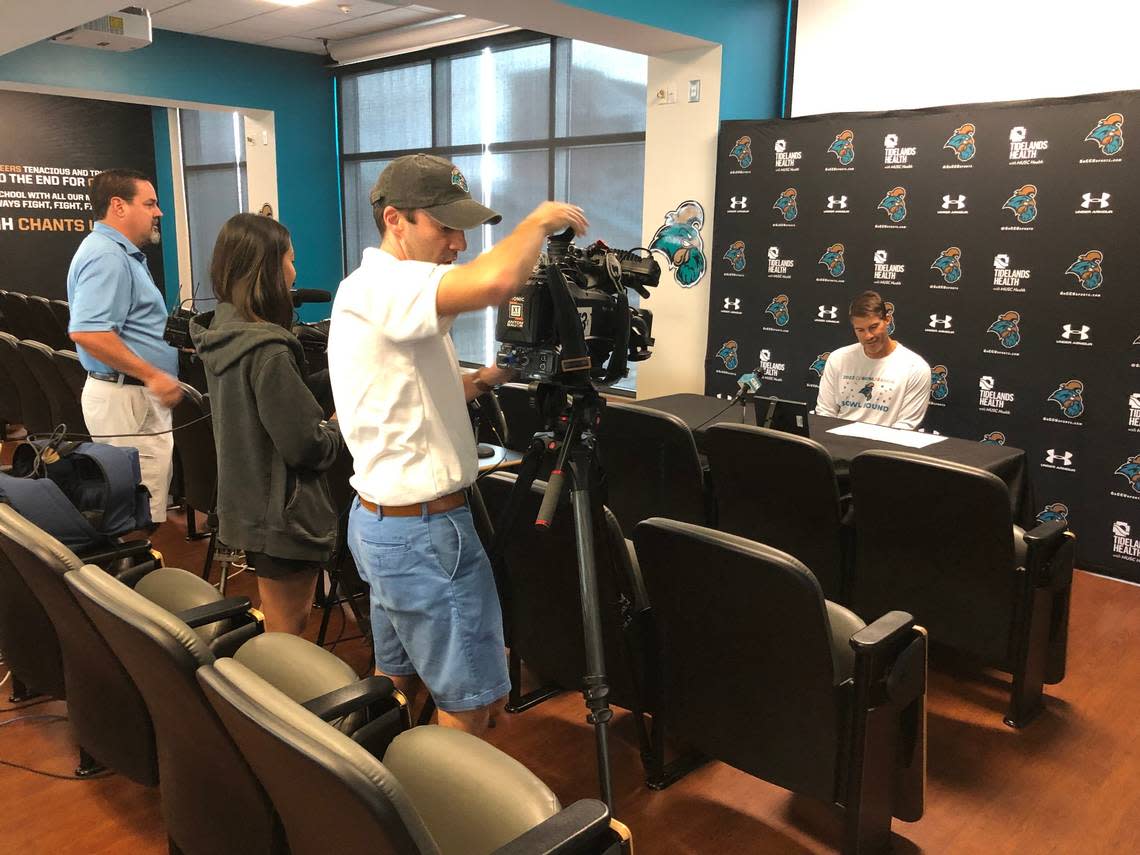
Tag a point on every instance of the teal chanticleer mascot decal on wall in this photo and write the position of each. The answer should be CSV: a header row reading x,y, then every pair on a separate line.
x,y
680,241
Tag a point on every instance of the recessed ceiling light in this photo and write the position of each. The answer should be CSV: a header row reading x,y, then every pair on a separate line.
x,y
291,2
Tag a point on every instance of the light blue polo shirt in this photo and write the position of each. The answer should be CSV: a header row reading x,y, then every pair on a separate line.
x,y
110,289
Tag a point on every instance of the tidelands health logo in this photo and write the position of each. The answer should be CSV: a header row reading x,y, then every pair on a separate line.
x,y
833,260
962,143
1023,203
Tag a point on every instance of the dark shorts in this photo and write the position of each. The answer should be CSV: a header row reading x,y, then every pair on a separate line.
x,y
268,567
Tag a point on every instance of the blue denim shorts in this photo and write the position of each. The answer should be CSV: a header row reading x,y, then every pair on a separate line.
x,y
435,609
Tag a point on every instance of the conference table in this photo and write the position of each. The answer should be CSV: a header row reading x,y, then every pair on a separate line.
x,y
700,412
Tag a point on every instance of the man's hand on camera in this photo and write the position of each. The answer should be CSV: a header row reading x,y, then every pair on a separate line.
x,y
164,387
555,217
491,375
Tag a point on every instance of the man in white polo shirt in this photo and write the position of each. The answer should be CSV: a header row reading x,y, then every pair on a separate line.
x,y
876,380
400,399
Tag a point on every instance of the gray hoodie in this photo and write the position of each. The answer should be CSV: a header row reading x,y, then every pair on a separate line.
x,y
271,439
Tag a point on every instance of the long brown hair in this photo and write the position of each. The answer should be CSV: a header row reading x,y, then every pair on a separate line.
x,y
247,268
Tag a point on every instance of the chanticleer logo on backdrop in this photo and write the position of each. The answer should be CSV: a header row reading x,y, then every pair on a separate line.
x,y
1023,203
679,240
1070,397
736,258
778,309
1089,271
939,384
1130,471
962,143
729,355
994,437
894,203
843,147
1108,135
820,363
834,261
787,206
1008,331
1052,512
949,264
741,152
890,309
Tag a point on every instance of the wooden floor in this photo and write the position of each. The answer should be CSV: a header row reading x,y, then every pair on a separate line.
x,y
1069,783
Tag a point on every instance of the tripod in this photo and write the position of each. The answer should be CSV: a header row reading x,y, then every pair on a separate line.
x,y
573,413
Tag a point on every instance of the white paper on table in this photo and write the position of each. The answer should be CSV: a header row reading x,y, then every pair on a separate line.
x,y
909,438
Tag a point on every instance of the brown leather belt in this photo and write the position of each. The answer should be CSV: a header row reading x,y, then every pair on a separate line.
x,y
436,506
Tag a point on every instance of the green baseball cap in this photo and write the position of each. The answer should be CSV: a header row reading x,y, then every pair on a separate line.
x,y
432,184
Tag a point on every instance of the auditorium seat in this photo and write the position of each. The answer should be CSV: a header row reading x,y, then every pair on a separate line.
x,y
760,672
10,412
64,406
198,461
936,539
17,315
62,312
72,371
438,790
210,799
652,467
45,325
110,719
780,489
35,412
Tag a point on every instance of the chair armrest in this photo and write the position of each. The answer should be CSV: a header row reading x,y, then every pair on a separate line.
x,y
1046,532
134,574
890,628
348,699
129,549
1049,554
228,643
570,830
207,613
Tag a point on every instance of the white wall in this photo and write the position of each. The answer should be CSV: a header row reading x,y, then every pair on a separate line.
x,y
866,55
680,165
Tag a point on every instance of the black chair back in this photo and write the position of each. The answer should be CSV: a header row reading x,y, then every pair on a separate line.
x,y
936,539
543,603
62,312
746,664
211,801
652,466
196,449
779,489
35,412
27,635
65,407
10,410
17,315
45,325
72,371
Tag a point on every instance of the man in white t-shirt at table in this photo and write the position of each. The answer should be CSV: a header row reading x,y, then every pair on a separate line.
x,y
876,380
400,398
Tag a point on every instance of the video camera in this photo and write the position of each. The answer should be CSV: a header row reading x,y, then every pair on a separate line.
x,y
314,338
571,321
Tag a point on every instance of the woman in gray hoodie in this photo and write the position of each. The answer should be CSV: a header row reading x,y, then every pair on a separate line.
x,y
272,440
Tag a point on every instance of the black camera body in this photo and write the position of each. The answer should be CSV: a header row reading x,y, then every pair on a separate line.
x,y
572,320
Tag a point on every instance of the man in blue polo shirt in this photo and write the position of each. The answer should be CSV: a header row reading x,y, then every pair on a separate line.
x,y
117,319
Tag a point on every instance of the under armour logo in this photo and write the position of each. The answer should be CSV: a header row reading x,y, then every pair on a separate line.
x,y
732,304
1001,261
1071,332
1065,458
831,312
765,355
1017,134
1121,529
740,202
773,252
780,145
880,256
837,202
940,321
890,140
986,383
956,202
1100,201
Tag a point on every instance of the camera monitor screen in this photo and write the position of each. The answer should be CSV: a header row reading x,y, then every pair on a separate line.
x,y
778,414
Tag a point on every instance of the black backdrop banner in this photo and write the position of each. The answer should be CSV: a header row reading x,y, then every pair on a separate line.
x,y
1004,238
49,147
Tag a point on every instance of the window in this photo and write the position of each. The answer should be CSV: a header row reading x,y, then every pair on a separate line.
x,y
213,163
525,117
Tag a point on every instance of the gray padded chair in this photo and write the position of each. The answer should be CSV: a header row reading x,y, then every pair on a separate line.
x,y
937,539
196,757
110,719
438,792
780,489
807,696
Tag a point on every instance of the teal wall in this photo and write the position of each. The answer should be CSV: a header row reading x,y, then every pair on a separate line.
x,y
295,86
752,33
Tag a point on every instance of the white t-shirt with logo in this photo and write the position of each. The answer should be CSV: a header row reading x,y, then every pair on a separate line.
x,y
396,383
892,391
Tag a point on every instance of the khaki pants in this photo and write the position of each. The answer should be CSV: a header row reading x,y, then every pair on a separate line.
x,y
114,408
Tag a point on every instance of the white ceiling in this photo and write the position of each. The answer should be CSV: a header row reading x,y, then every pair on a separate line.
x,y
300,28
